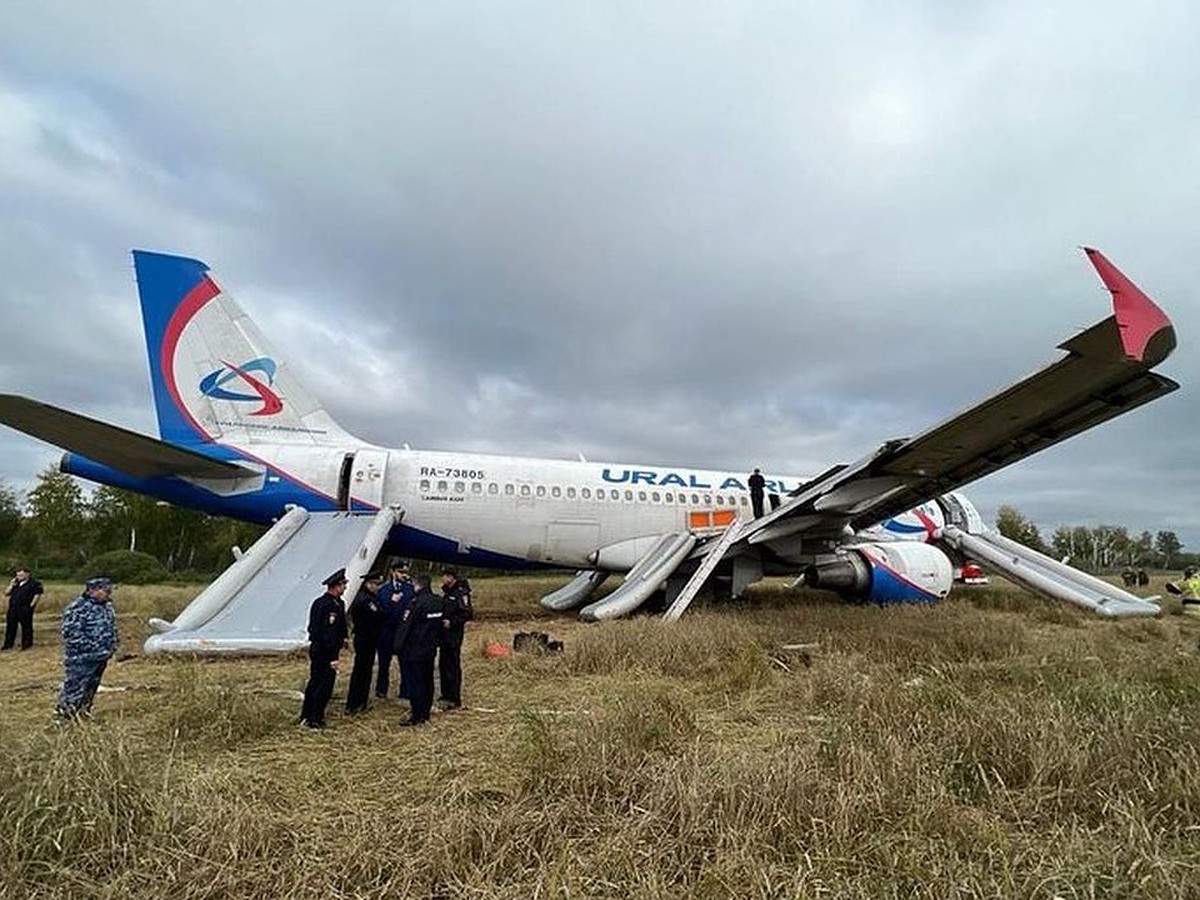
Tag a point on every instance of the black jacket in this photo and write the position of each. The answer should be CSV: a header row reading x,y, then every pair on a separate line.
x,y
20,596
458,603
326,627
366,616
418,632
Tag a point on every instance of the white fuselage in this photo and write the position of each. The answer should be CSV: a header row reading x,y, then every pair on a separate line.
x,y
540,511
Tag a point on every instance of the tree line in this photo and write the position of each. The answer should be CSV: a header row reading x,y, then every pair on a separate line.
x,y
60,533
1098,549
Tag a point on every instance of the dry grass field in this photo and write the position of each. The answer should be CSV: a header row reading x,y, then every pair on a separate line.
x,y
995,745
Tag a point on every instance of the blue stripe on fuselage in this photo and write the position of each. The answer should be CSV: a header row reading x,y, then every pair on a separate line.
x,y
262,506
404,540
269,502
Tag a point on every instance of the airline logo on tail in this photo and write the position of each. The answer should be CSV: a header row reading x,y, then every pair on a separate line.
x,y
213,385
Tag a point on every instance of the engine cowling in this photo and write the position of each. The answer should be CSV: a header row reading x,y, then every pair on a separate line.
x,y
900,572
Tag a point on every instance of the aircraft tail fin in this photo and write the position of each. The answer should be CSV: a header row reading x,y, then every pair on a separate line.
x,y
215,377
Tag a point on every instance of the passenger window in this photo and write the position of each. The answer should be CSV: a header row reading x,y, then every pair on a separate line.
x,y
696,498
476,487
509,490
720,500
525,490
615,494
570,493
642,496
555,491
708,499
587,493
443,487
541,490
629,495
460,487
493,488
654,496
669,497
425,484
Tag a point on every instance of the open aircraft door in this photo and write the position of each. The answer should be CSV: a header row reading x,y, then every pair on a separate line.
x,y
368,472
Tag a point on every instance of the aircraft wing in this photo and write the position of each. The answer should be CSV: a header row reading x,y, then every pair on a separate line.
x,y
1105,373
123,450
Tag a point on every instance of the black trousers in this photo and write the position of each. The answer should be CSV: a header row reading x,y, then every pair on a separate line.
x,y
418,677
360,677
450,664
756,501
386,654
18,615
318,690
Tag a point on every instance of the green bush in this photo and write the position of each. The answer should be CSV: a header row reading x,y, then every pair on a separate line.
x,y
126,567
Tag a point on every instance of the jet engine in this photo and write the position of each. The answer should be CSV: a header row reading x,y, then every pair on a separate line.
x,y
900,572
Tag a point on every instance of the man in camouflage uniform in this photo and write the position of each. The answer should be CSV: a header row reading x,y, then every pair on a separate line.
x,y
89,637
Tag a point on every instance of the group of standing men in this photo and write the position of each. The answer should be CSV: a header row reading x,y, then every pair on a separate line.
x,y
400,618
89,635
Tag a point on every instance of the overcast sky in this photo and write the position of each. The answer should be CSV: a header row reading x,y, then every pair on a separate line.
x,y
707,234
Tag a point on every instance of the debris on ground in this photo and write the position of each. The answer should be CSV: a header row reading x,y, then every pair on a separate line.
x,y
535,642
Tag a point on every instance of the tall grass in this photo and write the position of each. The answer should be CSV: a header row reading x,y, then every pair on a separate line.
x,y
965,750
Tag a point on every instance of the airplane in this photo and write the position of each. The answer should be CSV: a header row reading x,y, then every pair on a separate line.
x,y
240,436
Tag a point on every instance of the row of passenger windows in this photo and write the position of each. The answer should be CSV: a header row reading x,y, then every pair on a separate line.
x,y
571,493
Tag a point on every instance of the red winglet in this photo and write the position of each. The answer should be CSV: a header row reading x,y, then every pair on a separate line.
x,y
1138,317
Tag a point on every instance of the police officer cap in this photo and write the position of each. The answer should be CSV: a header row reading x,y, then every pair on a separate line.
x,y
100,581
373,576
338,577
453,573
400,564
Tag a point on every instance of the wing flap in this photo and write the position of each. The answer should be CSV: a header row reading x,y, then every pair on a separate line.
x,y
126,451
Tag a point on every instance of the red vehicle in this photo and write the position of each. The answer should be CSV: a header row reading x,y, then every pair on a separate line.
x,y
972,573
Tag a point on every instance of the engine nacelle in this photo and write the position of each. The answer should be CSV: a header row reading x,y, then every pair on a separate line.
x,y
900,572
924,523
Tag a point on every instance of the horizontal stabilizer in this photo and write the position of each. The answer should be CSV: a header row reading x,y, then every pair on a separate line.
x,y
126,451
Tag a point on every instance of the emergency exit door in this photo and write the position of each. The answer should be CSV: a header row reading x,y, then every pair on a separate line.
x,y
368,472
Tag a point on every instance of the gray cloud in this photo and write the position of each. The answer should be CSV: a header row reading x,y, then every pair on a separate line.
x,y
678,234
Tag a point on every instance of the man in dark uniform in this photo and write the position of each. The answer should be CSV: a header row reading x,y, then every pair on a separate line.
x,y
457,593
757,485
394,598
367,619
417,638
23,592
326,637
